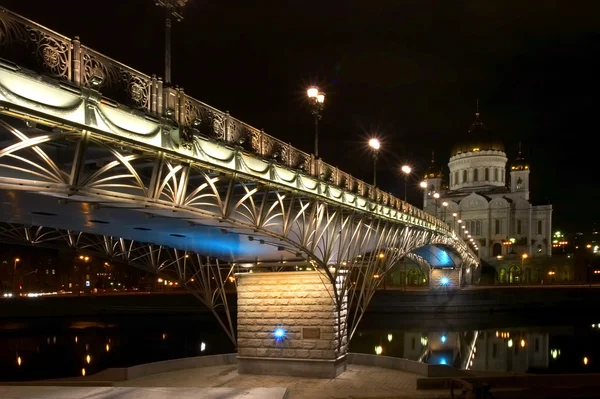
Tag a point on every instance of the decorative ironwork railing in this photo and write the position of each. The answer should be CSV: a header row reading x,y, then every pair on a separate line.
x,y
35,47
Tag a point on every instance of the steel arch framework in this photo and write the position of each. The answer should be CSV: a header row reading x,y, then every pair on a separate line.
x,y
204,277
348,245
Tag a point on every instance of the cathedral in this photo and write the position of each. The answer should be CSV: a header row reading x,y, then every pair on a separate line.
x,y
479,203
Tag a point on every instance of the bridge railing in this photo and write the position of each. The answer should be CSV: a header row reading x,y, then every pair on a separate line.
x,y
35,47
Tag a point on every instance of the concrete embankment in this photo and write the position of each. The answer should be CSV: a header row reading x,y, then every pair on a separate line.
x,y
486,300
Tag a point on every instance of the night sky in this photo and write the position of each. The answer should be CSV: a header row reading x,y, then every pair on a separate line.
x,y
409,72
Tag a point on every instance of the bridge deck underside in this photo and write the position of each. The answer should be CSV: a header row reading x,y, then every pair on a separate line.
x,y
172,229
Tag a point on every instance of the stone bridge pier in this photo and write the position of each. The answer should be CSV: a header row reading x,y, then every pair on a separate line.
x,y
446,278
290,324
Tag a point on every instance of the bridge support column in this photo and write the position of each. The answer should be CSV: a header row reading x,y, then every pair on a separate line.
x,y
289,324
445,279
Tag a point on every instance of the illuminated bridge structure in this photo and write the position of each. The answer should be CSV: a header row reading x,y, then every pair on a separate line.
x,y
93,148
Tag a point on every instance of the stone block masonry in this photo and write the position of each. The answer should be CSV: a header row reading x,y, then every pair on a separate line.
x,y
453,276
303,306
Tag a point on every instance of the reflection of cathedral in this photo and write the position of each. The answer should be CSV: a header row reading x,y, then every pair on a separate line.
x,y
486,350
496,214
511,351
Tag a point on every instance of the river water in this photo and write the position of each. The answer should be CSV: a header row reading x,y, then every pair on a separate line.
x,y
55,348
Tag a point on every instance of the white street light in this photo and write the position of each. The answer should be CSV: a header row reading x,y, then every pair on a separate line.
x,y
437,197
312,92
406,170
317,101
375,146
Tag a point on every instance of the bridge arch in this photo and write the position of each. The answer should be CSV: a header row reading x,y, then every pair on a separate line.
x,y
259,202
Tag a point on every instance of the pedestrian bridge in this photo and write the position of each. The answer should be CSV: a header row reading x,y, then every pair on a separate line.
x,y
92,146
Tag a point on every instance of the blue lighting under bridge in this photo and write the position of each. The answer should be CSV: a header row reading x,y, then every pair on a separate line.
x,y
279,334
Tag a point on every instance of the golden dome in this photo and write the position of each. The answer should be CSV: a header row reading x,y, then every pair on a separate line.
x,y
477,145
482,142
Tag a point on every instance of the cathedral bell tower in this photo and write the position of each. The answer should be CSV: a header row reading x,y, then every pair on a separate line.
x,y
519,175
432,181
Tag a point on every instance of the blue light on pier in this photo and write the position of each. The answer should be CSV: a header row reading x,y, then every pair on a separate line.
x,y
279,334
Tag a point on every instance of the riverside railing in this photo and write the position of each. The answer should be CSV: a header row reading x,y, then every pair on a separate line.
x,y
42,50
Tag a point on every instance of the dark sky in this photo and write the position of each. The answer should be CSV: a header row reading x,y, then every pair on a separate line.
x,y
408,71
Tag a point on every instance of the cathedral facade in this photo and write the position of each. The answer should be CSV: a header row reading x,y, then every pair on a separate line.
x,y
488,202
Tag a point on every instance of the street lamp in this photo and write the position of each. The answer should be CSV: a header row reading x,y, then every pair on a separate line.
x,y
523,257
437,197
406,170
317,101
173,8
454,215
423,185
375,146
445,206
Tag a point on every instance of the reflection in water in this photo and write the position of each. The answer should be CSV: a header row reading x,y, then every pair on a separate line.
x,y
548,349
65,349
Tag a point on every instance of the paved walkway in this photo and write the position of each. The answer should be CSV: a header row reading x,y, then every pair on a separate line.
x,y
358,382
45,392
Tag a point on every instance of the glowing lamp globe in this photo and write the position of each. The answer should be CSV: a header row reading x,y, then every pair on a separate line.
x,y
375,144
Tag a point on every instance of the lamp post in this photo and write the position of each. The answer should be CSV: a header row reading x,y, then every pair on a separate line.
x,y
317,101
172,9
437,198
406,170
375,146
423,185
454,215
523,257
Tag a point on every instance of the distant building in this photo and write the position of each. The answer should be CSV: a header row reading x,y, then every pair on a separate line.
x,y
497,214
